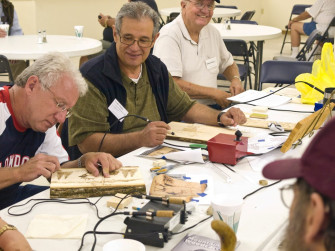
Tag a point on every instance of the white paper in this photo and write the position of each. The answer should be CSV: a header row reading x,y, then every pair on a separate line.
x,y
269,101
264,143
188,155
47,226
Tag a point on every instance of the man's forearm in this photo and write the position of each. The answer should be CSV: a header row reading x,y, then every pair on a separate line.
x,y
115,144
195,91
9,176
203,114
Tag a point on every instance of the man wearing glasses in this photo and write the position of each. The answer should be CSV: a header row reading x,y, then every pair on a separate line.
x,y
128,80
312,208
195,54
42,96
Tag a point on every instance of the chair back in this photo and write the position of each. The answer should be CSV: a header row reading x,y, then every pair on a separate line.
x,y
283,72
243,22
299,8
248,15
239,49
5,72
172,17
226,6
302,55
328,35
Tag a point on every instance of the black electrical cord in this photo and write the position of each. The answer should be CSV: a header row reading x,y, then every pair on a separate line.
x,y
63,201
273,109
274,183
192,226
116,121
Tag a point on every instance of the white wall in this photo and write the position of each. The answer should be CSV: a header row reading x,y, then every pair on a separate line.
x,y
59,16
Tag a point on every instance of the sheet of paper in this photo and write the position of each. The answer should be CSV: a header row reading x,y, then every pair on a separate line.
x,y
63,226
264,143
269,101
187,155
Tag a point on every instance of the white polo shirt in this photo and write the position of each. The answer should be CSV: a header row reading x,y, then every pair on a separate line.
x,y
322,12
198,63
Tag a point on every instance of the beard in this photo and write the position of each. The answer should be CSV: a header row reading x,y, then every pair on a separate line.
x,y
293,239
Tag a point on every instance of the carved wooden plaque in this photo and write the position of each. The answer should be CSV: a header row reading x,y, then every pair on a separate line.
x,y
78,183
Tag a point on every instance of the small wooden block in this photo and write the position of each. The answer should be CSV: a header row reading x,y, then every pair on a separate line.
x,y
114,201
263,182
159,163
259,115
261,109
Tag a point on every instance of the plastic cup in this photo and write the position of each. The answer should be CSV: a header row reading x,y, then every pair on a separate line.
x,y
79,30
124,245
227,208
5,27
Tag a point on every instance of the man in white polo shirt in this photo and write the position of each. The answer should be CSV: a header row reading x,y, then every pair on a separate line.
x,y
195,53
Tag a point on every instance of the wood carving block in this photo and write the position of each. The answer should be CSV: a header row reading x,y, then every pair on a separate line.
x,y
159,163
78,183
165,186
115,200
258,115
261,109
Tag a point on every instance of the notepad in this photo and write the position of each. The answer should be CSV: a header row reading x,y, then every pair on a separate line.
x,y
272,100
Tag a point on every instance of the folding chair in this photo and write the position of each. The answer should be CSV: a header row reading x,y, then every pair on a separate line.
x,y
5,72
248,15
282,72
296,10
239,49
172,17
224,6
304,54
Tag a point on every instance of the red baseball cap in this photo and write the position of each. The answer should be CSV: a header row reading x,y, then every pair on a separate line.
x,y
316,166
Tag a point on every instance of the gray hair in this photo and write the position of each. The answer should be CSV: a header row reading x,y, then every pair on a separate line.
x,y
137,10
50,68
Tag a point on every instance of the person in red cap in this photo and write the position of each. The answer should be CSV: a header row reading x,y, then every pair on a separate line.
x,y
312,211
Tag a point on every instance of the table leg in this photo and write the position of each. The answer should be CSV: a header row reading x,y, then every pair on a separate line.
x,y
258,63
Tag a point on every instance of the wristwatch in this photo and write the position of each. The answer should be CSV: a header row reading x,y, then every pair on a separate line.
x,y
7,227
219,119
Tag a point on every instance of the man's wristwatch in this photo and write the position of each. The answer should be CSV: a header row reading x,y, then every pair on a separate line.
x,y
219,119
7,227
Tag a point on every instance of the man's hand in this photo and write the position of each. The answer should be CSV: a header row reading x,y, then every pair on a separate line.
x,y
154,133
3,33
233,117
103,19
221,98
93,161
40,164
236,87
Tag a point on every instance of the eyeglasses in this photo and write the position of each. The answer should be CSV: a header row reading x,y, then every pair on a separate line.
x,y
142,42
61,106
200,5
287,195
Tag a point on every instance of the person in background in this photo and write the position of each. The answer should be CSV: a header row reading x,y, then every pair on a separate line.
x,y
8,15
312,209
195,54
108,22
11,239
43,95
129,79
322,12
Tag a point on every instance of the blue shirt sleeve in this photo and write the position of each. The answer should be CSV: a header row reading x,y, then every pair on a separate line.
x,y
16,28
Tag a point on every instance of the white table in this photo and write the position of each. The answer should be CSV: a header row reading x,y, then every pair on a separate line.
x,y
26,47
250,33
263,215
218,12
